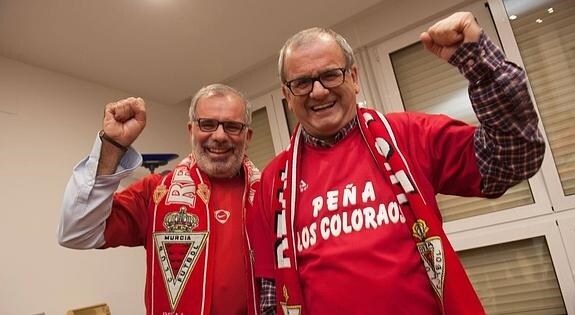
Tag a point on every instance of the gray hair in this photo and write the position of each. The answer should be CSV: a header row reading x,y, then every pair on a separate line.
x,y
218,89
310,35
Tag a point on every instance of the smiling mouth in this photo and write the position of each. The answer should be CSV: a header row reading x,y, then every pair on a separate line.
x,y
218,150
321,107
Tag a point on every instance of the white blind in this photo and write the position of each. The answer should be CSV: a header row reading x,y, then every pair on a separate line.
x,y
261,148
548,52
515,278
429,84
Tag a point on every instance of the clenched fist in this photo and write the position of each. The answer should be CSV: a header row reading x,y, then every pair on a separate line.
x,y
124,120
445,36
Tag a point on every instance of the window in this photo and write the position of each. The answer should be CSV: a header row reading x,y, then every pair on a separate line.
x,y
545,35
515,277
261,148
269,124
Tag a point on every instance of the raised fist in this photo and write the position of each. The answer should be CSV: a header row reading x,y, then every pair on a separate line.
x,y
124,120
445,36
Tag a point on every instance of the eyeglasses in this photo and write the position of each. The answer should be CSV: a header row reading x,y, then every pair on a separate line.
x,y
211,125
328,79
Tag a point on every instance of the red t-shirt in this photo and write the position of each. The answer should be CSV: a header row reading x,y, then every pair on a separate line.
x,y
355,252
230,284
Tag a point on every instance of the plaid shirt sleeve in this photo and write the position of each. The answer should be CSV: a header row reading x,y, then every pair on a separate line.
x,y
268,297
508,145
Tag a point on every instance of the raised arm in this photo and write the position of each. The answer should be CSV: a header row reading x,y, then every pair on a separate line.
x,y
508,145
88,196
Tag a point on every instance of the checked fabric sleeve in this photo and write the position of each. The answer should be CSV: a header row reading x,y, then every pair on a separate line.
x,y
508,144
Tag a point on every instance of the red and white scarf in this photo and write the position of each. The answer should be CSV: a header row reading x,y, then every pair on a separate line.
x,y
179,247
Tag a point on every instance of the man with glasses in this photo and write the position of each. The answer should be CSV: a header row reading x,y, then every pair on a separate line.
x,y
346,220
191,220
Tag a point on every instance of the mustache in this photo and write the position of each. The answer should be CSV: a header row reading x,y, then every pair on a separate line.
x,y
211,144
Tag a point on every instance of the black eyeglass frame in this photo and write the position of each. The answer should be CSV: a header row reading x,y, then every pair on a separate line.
x,y
225,124
317,78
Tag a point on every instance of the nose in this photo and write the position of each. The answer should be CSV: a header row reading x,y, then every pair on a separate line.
x,y
219,133
318,90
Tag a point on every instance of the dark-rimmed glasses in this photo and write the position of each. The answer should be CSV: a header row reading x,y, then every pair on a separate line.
x,y
328,79
211,125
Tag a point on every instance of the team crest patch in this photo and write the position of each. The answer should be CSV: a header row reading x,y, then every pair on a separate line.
x,y
204,192
159,193
431,252
178,250
289,309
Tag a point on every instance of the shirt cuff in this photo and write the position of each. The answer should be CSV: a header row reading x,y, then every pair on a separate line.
x,y
477,60
131,160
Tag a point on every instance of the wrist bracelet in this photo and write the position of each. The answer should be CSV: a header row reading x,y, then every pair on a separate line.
x,y
104,136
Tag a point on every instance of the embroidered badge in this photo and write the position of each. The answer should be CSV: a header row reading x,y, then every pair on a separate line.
x,y
159,193
222,216
431,252
178,250
289,309
204,192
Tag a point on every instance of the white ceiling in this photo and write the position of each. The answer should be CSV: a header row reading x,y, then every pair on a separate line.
x,y
163,50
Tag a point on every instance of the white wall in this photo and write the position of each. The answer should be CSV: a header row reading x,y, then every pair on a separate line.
x,y
48,122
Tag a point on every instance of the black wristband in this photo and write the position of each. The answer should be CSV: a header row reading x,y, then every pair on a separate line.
x,y
104,136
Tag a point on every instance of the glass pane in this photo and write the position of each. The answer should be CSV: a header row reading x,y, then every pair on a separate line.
x,y
261,148
545,34
428,84
515,278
